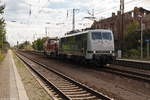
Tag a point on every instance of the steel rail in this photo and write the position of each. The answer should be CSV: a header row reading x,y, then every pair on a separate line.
x,y
45,80
126,63
128,74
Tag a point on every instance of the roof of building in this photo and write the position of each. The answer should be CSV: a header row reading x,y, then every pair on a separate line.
x,y
141,9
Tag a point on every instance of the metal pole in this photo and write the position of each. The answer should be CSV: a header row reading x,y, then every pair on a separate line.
x,y
73,20
46,31
2,41
122,26
122,12
148,49
93,13
141,39
17,44
33,37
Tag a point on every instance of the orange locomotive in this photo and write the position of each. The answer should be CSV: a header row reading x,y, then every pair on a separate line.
x,y
51,47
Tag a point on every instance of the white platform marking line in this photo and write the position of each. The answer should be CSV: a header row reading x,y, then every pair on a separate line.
x,y
20,86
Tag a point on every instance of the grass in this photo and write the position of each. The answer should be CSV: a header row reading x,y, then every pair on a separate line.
x,y
135,58
34,90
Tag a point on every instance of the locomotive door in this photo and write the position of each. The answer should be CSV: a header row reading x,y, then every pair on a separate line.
x,y
84,43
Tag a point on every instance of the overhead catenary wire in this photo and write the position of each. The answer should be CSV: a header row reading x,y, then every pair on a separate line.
x,y
115,7
104,11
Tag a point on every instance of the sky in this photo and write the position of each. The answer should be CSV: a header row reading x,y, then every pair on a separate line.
x,y
32,19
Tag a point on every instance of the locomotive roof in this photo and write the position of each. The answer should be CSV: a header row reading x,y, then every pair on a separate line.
x,y
86,32
52,38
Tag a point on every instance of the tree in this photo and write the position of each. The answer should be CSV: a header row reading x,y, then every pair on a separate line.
x,y
25,45
132,27
132,35
38,44
132,42
2,28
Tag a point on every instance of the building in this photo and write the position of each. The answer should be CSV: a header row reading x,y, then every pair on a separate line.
x,y
114,22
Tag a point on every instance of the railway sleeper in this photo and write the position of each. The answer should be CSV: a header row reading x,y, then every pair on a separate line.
x,y
56,78
69,88
60,81
85,98
64,90
68,85
80,95
63,84
76,92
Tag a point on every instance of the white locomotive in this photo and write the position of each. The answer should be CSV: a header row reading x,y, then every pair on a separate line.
x,y
88,46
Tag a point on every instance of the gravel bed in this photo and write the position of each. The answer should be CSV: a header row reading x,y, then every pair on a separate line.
x,y
120,88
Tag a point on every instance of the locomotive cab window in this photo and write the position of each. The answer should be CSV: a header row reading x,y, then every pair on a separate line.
x,y
96,35
49,41
106,36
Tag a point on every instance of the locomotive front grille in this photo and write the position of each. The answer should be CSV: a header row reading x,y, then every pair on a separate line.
x,y
103,52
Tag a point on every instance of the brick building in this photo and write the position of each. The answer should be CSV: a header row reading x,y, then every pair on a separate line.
x,y
114,22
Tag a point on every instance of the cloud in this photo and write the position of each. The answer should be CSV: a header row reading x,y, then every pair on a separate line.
x,y
59,1
32,16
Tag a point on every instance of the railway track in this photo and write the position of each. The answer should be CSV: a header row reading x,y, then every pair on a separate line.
x,y
144,65
129,74
64,87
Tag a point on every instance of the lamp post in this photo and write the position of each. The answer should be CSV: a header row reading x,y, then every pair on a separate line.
x,y
46,31
141,36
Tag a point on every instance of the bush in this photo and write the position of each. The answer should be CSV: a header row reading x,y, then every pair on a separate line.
x,y
1,56
38,44
132,53
132,44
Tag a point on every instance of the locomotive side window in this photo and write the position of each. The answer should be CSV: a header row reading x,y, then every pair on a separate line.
x,y
96,35
50,41
107,36
53,41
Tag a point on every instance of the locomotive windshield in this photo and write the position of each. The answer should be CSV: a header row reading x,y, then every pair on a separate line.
x,y
101,35
96,35
107,36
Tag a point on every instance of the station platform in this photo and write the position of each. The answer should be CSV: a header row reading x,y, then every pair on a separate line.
x,y
11,86
132,60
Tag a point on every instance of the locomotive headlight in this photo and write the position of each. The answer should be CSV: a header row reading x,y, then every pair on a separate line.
x,y
94,51
111,52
